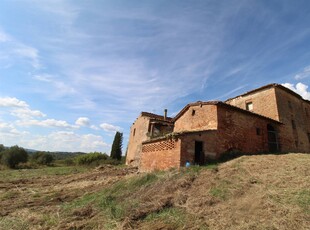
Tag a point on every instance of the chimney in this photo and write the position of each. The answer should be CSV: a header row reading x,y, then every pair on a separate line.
x,y
165,114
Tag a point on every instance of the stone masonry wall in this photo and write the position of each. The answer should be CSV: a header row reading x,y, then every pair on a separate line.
x,y
264,103
197,118
188,145
294,137
138,134
160,155
242,132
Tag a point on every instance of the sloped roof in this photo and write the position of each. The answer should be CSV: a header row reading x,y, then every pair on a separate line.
x,y
155,116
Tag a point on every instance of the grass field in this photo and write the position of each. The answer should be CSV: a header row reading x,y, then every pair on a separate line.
x,y
250,192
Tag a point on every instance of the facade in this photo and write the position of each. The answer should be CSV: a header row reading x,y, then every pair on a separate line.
x,y
268,119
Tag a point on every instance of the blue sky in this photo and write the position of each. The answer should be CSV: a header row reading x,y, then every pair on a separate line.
x,y
72,73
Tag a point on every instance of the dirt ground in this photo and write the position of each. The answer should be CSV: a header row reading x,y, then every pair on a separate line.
x,y
250,192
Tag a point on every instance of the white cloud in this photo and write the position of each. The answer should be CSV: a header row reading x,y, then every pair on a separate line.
x,y
300,88
304,74
12,102
109,127
82,121
68,141
26,113
46,123
8,130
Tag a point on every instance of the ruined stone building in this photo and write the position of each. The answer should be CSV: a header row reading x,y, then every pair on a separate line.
x,y
271,118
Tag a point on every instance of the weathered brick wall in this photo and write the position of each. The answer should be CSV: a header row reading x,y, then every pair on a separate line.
x,y
238,131
196,118
188,145
293,110
264,102
138,134
160,155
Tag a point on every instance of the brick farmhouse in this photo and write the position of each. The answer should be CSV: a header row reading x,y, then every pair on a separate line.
x,y
271,118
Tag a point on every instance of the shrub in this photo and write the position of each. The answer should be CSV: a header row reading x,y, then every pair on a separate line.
x,y
42,158
91,158
13,156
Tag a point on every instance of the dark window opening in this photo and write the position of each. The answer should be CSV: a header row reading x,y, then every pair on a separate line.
x,y
309,137
199,155
289,104
193,112
249,106
296,144
293,124
258,131
134,132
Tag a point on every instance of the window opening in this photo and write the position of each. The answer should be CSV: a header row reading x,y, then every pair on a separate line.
x,y
293,124
249,106
290,104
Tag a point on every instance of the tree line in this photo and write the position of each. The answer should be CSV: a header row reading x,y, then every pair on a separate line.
x,y
15,156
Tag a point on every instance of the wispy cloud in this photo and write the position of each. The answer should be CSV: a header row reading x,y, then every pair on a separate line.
x,y
60,88
305,73
15,50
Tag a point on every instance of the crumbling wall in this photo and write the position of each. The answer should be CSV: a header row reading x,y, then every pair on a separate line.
x,y
138,134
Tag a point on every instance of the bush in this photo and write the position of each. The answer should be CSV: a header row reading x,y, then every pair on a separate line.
x,y
42,158
91,158
13,156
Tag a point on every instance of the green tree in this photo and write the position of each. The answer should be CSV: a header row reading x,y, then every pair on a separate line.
x,y
116,151
13,156
42,158
2,148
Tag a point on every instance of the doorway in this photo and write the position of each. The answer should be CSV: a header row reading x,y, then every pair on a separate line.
x,y
272,139
199,155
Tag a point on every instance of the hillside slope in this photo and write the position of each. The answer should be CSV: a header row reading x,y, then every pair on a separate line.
x,y
250,192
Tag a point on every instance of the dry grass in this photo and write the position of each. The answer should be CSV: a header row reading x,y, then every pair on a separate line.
x,y
253,192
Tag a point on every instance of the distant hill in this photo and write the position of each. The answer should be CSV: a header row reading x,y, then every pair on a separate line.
x,y
58,155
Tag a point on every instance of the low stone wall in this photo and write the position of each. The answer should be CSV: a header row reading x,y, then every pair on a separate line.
x,y
160,155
